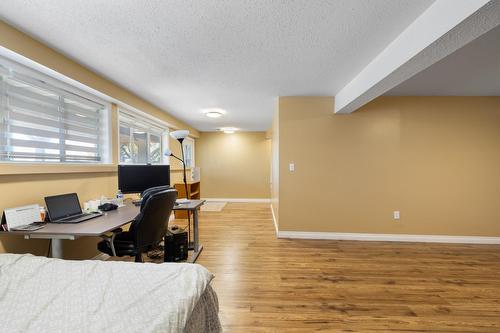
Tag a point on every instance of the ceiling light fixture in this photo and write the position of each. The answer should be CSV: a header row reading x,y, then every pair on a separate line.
x,y
214,112
228,130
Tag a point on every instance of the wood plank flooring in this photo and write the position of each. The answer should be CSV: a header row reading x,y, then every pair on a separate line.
x,y
266,284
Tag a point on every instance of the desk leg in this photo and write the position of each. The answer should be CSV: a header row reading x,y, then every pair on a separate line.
x,y
56,248
197,247
195,231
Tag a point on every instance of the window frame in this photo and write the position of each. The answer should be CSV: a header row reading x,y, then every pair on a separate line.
x,y
61,88
127,116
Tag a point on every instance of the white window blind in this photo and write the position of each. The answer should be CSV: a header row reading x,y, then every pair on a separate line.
x,y
40,122
142,141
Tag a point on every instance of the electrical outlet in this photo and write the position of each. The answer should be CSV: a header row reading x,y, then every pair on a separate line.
x,y
291,167
396,214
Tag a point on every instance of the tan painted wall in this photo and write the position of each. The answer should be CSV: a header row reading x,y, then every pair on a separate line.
x,y
176,165
18,190
275,166
436,159
234,165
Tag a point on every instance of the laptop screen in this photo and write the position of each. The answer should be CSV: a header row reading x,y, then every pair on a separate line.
x,y
61,206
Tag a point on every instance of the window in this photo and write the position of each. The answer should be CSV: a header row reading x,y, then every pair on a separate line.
x,y
41,122
188,146
141,141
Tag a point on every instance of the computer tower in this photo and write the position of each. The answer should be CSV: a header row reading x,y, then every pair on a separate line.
x,y
176,246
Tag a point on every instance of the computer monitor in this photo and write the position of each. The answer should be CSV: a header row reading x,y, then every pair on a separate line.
x,y
137,178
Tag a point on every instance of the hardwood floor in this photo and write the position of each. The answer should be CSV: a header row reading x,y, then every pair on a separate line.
x,y
266,284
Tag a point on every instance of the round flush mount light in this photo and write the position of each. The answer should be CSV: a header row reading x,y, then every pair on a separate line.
x,y
228,130
214,112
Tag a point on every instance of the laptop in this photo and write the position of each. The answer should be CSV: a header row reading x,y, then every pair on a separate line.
x,y
65,208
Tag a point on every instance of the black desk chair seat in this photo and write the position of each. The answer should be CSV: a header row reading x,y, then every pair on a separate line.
x,y
147,229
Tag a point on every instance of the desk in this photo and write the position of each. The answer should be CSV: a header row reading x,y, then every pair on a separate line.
x,y
95,227
194,207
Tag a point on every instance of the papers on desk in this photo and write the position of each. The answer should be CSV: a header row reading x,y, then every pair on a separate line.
x,y
182,201
29,227
18,217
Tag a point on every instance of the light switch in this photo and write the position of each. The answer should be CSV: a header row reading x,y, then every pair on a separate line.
x,y
291,167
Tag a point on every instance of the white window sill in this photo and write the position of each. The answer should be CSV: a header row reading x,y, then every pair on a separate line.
x,y
44,168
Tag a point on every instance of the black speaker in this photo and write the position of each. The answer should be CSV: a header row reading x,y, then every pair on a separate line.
x,y
176,246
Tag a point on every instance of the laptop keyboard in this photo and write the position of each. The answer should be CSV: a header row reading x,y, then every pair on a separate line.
x,y
76,217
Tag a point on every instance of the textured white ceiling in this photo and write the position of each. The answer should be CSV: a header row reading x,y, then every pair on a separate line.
x,y
473,70
237,55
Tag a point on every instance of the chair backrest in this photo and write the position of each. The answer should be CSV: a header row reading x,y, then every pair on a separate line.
x,y
151,224
150,191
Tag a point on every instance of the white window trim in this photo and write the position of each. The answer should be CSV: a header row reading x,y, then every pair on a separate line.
x,y
29,67
58,77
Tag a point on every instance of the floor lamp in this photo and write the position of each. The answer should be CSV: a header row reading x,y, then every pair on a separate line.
x,y
180,135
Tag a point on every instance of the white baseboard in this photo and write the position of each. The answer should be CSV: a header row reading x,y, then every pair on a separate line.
x,y
255,200
101,256
388,237
275,222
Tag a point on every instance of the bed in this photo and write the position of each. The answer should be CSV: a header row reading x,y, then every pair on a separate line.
x,y
39,294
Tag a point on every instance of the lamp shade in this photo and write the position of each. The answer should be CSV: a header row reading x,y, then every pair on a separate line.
x,y
179,134
167,152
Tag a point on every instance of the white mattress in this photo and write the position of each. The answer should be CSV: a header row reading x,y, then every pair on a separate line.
x,y
39,294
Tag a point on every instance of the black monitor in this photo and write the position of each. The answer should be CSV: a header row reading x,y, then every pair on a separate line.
x,y
137,178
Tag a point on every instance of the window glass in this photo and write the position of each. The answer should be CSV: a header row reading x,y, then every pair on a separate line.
x,y
140,147
125,148
155,148
188,145
141,141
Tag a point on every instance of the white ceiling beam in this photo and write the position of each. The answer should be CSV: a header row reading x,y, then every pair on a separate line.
x,y
443,28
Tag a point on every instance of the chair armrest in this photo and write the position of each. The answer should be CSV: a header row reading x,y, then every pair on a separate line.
x,y
111,239
112,233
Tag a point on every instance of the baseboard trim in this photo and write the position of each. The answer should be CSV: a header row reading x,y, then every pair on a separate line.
x,y
275,222
101,256
388,237
255,200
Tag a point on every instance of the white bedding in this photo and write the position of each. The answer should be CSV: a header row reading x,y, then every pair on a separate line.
x,y
38,294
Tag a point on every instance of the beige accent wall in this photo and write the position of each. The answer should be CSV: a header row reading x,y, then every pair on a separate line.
x,y
234,165
91,182
176,170
436,159
19,190
275,171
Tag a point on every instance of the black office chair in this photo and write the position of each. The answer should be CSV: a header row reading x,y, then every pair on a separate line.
x,y
150,191
147,229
